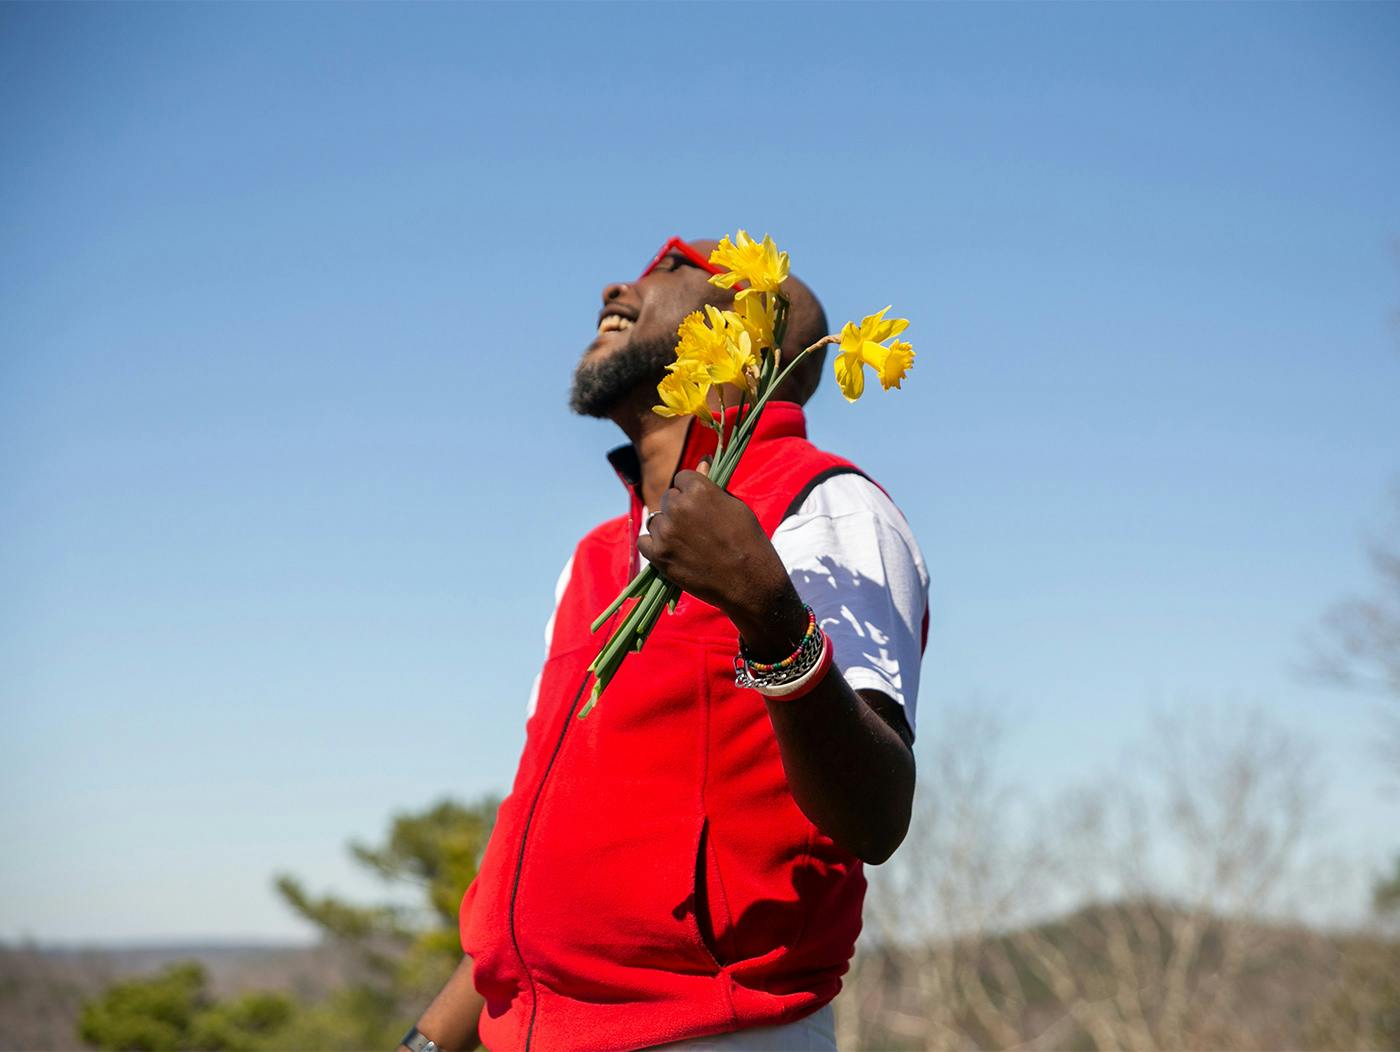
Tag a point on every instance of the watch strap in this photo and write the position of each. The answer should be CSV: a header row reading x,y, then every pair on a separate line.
x,y
417,1041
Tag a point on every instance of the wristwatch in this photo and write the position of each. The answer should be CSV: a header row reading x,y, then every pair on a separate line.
x,y
417,1041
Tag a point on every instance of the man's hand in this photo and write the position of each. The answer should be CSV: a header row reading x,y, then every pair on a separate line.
x,y
710,544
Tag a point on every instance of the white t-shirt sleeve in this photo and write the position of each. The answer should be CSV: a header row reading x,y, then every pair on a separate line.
x,y
559,587
854,561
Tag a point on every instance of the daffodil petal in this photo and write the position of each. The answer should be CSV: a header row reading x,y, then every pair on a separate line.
x,y
850,376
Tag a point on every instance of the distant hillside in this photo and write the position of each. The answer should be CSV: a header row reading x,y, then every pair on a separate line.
x,y
1107,977
1294,988
41,989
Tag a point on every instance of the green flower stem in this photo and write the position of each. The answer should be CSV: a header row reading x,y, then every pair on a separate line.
x,y
718,425
627,637
636,586
668,602
635,617
650,608
619,638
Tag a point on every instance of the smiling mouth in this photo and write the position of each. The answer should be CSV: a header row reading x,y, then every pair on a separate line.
x,y
613,323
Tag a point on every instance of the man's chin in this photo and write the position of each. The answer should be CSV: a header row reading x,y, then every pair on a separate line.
x,y
606,375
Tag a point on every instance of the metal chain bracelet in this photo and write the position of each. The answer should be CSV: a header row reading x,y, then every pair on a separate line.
x,y
758,675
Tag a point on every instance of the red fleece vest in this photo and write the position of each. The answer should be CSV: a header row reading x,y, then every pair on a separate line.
x,y
649,877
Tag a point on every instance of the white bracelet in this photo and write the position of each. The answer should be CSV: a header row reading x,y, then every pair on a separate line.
x,y
805,682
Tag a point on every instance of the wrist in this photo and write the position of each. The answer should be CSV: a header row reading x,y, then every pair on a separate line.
x,y
770,616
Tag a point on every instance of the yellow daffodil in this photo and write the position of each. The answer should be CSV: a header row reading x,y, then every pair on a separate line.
x,y
720,344
738,364
703,335
758,314
757,263
684,391
863,345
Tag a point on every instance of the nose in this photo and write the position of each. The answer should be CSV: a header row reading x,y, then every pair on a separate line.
x,y
613,291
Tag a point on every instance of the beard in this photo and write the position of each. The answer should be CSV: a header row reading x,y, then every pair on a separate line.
x,y
600,385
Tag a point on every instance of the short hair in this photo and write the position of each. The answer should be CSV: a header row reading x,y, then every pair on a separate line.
x,y
806,324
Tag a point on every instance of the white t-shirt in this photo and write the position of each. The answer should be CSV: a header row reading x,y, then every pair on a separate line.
x,y
854,561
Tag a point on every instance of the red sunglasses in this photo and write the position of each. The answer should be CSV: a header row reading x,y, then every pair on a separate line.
x,y
678,245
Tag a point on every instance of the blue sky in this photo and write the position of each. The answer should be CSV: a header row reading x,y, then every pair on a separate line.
x,y
291,295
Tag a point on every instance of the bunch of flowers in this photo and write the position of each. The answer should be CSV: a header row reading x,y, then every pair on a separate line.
x,y
739,349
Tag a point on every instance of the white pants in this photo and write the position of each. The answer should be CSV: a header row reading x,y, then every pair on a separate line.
x,y
814,1033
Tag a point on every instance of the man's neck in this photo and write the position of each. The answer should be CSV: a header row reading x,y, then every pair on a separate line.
x,y
658,441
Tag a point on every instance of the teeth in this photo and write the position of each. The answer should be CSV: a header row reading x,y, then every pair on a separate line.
x,y
614,323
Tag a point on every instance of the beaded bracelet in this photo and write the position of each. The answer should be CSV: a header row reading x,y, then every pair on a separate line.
x,y
791,659
779,678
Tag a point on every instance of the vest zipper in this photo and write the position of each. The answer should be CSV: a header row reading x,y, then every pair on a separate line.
x,y
520,859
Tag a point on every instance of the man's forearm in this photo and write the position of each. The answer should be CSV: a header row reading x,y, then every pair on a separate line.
x,y
451,1019
847,768
849,771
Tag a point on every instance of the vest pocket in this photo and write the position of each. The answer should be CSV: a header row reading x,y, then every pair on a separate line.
x,y
711,912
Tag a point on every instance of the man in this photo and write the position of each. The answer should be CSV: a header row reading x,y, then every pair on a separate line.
x,y
684,865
